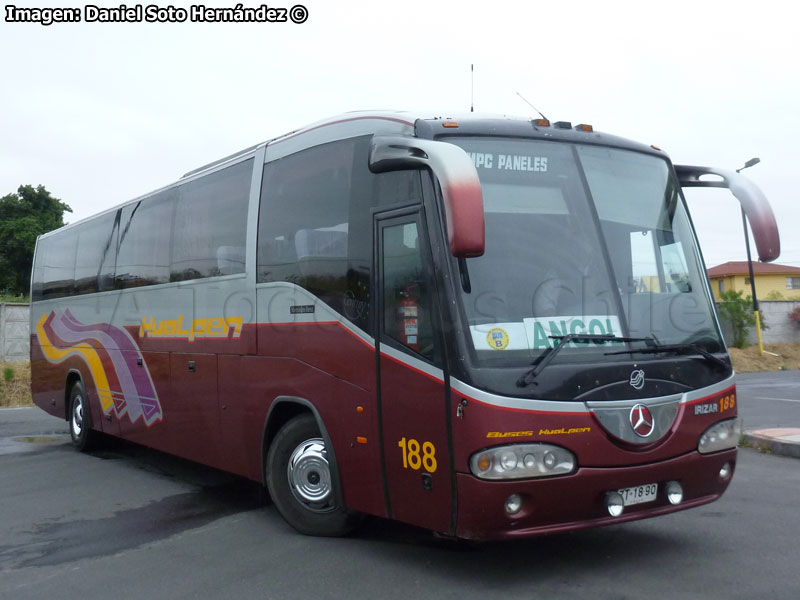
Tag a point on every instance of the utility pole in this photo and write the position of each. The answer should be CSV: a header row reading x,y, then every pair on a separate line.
x,y
747,165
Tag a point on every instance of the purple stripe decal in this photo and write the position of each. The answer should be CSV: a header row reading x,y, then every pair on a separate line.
x,y
135,395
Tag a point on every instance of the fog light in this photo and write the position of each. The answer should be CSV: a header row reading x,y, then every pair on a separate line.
x,y
614,503
674,492
725,471
513,504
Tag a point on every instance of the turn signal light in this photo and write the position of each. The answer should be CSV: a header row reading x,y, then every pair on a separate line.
x,y
722,435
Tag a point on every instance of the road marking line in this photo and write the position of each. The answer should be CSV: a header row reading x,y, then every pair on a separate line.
x,y
778,399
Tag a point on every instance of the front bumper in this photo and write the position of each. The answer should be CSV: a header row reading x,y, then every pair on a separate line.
x,y
577,501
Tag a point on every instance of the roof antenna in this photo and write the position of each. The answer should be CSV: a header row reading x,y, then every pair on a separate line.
x,y
532,106
472,87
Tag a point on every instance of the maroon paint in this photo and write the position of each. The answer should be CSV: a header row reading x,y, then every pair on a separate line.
x,y
465,218
576,501
216,415
413,407
595,448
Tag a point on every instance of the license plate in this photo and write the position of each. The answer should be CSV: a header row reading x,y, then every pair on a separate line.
x,y
639,494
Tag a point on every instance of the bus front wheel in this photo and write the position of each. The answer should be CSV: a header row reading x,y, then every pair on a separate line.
x,y
80,418
302,483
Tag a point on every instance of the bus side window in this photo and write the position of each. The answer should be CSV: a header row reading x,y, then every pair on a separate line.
x,y
406,299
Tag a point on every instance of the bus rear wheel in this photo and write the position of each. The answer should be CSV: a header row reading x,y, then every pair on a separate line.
x,y
301,481
80,418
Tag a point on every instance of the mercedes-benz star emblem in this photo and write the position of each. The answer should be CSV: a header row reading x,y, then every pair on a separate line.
x,y
642,420
637,379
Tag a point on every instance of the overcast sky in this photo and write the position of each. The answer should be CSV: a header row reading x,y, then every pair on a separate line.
x,y
99,113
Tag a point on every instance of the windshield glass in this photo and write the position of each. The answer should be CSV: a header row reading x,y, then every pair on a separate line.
x,y
581,240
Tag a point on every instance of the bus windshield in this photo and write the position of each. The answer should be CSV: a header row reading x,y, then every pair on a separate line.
x,y
581,240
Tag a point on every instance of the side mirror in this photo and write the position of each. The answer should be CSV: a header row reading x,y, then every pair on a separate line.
x,y
461,188
753,201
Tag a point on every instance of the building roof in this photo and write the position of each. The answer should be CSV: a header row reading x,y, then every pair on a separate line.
x,y
739,267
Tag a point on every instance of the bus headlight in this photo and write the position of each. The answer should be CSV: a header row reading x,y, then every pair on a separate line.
x,y
720,436
522,461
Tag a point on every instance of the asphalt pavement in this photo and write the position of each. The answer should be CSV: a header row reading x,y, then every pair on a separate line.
x,y
128,522
769,405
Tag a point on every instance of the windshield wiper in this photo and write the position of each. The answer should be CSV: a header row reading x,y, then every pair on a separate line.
x,y
676,348
546,357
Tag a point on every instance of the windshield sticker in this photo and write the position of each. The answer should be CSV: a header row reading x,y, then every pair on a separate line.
x,y
497,338
509,162
542,331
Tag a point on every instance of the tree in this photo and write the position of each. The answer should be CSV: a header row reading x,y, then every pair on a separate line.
x,y
25,215
738,312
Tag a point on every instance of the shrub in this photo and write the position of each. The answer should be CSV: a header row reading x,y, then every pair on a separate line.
x,y
738,311
795,316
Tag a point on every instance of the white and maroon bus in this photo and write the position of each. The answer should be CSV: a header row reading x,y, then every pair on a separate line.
x,y
488,327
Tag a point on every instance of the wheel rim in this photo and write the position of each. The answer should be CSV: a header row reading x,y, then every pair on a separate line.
x,y
310,476
77,416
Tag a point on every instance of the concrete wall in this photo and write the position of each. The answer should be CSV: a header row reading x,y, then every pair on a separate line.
x,y
14,332
775,314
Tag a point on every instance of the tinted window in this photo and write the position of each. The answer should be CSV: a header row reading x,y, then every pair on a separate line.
x,y
144,241
95,248
304,227
55,266
211,224
407,309
315,222
397,187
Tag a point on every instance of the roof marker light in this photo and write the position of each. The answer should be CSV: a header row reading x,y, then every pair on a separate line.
x,y
584,127
541,123
449,124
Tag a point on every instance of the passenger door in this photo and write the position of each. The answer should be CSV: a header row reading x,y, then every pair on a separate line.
x,y
415,428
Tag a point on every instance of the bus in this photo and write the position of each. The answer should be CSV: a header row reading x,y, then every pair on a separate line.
x,y
488,327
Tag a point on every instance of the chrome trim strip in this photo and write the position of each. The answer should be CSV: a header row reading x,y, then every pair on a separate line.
x,y
413,362
708,391
267,292
343,127
537,405
527,404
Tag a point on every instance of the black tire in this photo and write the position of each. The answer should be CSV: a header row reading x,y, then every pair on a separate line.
x,y
305,493
80,419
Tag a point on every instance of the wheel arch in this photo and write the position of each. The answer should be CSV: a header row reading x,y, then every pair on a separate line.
x,y
73,376
283,410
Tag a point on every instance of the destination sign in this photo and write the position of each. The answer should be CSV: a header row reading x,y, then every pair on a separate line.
x,y
509,162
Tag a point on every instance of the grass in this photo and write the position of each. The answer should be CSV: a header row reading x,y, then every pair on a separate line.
x,y
748,360
14,299
15,384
